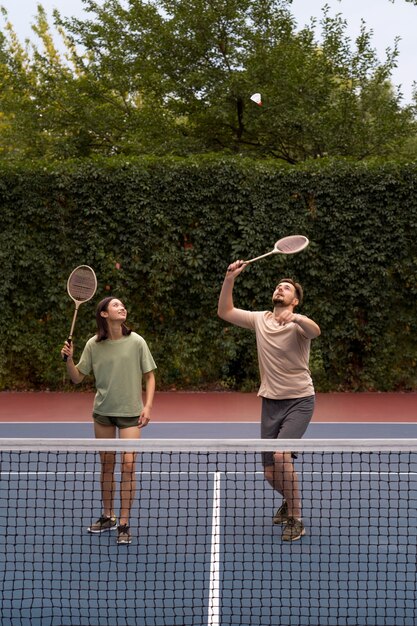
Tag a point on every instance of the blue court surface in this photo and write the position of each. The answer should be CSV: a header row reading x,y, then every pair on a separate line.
x,y
204,549
216,430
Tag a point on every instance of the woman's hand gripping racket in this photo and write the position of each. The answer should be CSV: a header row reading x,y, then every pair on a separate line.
x,y
81,287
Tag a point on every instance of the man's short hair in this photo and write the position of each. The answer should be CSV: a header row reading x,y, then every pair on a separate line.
x,y
298,289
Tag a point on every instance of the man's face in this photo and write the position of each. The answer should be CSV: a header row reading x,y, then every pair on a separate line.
x,y
284,295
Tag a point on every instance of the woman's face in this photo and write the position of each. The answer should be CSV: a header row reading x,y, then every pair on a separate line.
x,y
116,311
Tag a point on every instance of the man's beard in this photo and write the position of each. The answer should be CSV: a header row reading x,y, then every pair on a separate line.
x,y
278,301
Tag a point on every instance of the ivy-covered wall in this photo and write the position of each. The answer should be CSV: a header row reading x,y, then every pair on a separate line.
x,y
160,234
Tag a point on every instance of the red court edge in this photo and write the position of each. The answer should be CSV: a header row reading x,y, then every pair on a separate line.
x,y
181,406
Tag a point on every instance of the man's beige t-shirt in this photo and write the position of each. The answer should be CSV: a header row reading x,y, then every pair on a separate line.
x,y
283,356
118,367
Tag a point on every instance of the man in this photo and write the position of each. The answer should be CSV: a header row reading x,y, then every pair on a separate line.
x,y
283,341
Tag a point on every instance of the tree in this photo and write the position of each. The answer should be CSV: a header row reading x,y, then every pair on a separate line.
x,y
319,99
175,77
52,106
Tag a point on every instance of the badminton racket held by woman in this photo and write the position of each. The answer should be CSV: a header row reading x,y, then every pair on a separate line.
x,y
81,287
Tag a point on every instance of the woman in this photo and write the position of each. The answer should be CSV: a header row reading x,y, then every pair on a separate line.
x,y
119,360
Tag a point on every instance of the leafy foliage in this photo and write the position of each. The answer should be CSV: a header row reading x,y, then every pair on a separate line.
x,y
173,225
174,77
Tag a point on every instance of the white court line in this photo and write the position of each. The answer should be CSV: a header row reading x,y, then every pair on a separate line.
x,y
260,474
154,422
256,421
214,588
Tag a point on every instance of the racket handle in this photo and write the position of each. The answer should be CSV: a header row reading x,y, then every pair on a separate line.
x,y
65,358
260,257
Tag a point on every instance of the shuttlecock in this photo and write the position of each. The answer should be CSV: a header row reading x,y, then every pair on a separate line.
x,y
257,99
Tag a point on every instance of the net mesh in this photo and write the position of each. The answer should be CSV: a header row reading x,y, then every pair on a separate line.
x,y
82,283
204,549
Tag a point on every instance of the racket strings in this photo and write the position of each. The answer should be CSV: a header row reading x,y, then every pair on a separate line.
x,y
82,284
292,244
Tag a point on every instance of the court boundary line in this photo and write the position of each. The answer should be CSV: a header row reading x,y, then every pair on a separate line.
x,y
209,473
213,615
216,422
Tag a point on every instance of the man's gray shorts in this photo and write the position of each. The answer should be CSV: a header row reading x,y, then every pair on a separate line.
x,y
285,419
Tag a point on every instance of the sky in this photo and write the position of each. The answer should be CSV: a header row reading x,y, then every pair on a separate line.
x,y
387,20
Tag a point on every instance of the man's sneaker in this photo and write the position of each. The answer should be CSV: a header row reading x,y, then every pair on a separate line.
x,y
103,524
293,529
123,534
281,516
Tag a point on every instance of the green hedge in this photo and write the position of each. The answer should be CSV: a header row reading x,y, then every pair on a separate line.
x,y
174,225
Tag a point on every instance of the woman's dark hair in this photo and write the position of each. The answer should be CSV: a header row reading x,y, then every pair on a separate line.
x,y
102,326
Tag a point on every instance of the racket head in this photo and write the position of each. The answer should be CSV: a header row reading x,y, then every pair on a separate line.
x,y
291,244
82,284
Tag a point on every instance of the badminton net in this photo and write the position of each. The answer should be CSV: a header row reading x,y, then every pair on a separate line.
x,y
204,547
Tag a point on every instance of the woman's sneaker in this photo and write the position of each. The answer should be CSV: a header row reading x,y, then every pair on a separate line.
x,y
123,534
103,524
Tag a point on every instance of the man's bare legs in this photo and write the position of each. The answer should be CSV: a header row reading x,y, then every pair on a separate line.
x,y
284,479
